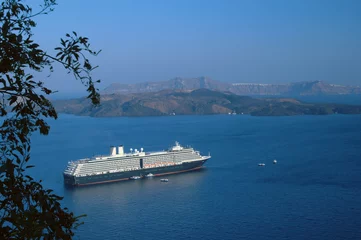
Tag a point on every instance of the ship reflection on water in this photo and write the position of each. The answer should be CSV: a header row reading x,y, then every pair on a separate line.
x,y
124,191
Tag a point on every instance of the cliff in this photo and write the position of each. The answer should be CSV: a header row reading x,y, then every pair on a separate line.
x,y
249,89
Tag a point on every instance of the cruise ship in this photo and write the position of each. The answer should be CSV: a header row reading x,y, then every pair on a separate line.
x,y
136,164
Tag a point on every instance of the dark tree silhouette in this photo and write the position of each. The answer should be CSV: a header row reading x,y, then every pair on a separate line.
x,y
27,210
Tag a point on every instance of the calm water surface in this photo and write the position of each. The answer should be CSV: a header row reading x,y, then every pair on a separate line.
x,y
314,192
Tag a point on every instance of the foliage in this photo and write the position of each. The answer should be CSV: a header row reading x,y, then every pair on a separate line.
x,y
27,210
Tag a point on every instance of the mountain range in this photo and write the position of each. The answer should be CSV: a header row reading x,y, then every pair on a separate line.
x,y
200,101
247,89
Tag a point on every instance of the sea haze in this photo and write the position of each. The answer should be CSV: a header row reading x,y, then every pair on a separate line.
x,y
350,99
313,192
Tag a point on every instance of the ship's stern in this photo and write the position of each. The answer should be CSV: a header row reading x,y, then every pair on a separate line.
x,y
69,179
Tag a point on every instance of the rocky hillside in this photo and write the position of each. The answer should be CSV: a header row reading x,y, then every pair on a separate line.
x,y
249,89
173,84
201,101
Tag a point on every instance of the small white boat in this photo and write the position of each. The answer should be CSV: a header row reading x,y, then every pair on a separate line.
x,y
135,177
275,161
164,180
261,164
149,175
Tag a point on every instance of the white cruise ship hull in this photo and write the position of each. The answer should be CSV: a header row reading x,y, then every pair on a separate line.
x,y
121,176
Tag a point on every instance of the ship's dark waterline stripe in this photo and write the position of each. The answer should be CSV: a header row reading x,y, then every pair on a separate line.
x,y
168,173
124,179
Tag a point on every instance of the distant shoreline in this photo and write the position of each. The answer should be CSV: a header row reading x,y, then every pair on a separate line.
x,y
197,102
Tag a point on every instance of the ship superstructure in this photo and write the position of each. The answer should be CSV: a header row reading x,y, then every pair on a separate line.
x,y
123,166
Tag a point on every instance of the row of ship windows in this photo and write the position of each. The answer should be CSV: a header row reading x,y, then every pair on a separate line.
x,y
119,175
124,164
107,168
92,171
135,162
158,157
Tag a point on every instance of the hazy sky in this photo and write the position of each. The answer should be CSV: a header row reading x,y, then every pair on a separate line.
x,y
270,41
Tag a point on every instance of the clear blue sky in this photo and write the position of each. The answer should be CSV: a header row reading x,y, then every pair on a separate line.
x,y
270,41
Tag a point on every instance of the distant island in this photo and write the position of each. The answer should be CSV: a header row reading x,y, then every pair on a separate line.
x,y
196,102
310,88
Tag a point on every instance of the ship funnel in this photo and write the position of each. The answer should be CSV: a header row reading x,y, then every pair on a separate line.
x,y
120,150
113,151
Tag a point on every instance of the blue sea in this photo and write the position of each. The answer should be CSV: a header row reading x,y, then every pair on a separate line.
x,y
313,192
